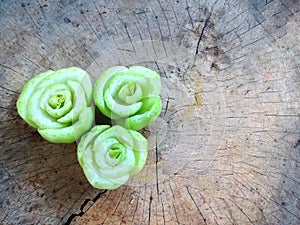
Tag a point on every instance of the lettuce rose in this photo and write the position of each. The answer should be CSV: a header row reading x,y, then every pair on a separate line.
x,y
110,155
58,104
130,96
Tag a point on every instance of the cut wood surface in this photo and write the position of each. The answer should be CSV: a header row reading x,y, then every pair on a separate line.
x,y
226,147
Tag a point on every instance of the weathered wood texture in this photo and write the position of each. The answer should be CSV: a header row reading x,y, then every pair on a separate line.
x,y
226,147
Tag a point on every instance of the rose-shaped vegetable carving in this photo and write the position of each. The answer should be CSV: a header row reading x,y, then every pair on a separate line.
x,y
110,155
130,96
59,104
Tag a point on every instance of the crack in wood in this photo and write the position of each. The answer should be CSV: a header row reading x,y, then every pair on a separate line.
x,y
165,16
201,35
156,168
167,106
195,203
149,209
239,208
83,205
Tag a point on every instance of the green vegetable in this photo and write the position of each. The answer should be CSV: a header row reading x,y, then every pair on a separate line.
x,y
130,96
59,104
110,155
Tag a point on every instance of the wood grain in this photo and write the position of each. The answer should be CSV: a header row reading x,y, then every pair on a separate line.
x,y
226,147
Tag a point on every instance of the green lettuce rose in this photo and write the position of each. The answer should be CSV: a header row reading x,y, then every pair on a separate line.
x,y
110,155
58,104
130,96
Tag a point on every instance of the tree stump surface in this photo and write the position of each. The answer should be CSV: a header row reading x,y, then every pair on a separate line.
x,y
226,147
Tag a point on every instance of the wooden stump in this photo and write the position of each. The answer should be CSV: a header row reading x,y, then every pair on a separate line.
x,y
226,147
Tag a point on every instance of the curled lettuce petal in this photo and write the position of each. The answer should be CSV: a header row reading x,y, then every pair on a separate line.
x,y
58,104
130,96
110,155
